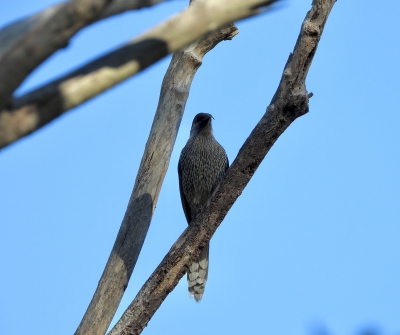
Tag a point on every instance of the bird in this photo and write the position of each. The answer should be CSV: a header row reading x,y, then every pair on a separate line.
x,y
201,167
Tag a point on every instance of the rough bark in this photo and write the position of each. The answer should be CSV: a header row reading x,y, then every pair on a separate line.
x,y
289,102
155,161
37,108
25,44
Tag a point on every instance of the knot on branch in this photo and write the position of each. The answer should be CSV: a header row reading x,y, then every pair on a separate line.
x,y
195,60
288,72
296,105
311,29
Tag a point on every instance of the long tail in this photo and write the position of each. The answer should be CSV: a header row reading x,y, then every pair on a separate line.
x,y
197,274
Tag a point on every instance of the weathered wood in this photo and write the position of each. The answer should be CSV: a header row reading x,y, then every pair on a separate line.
x,y
50,34
154,164
39,107
289,102
25,44
13,32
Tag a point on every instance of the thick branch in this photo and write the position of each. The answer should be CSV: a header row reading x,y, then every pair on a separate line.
x,y
155,161
37,108
14,32
25,44
120,6
289,102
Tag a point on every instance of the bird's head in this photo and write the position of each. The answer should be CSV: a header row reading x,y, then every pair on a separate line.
x,y
201,121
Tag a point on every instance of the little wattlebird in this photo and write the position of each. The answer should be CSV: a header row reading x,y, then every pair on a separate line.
x,y
202,165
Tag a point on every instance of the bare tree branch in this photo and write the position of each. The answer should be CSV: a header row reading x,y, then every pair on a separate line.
x,y
13,32
50,34
120,6
39,107
289,102
155,161
25,44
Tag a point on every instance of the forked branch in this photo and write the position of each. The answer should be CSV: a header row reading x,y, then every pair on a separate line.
x,y
154,165
289,102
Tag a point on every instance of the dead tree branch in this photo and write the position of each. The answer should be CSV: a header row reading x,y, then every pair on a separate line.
x,y
25,44
289,102
37,108
154,165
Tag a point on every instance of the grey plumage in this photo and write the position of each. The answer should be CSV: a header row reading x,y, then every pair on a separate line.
x,y
202,165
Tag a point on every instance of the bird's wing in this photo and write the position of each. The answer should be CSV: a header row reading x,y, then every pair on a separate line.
x,y
185,204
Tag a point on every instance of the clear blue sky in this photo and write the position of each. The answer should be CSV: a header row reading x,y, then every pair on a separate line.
x,y
314,240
